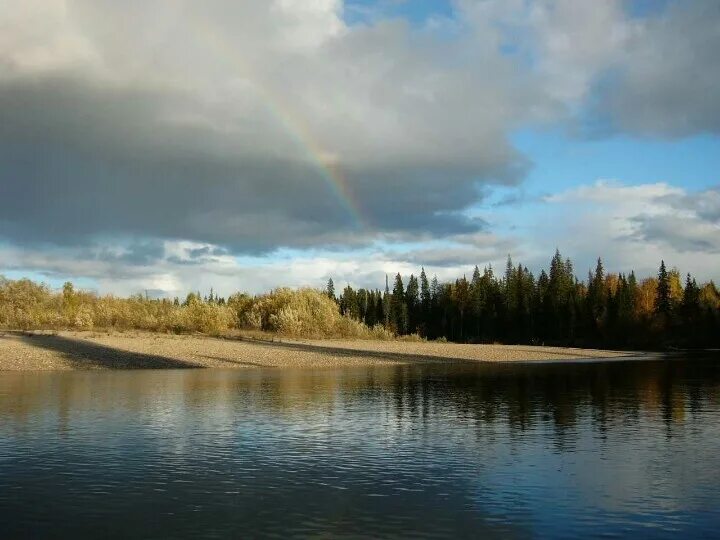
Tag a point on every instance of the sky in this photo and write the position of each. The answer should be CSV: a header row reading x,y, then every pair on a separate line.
x,y
170,146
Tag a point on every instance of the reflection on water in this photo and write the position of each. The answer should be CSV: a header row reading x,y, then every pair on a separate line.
x,y
542,450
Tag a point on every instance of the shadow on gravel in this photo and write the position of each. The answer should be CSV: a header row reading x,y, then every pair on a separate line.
x,y
81,354
564,355
340,351
238,362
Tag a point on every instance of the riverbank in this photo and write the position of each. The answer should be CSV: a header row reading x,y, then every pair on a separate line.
x,y
27,351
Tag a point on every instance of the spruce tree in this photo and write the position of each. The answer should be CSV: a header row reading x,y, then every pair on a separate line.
x,y
386,299
663,305
398,308
461,297
412,300
424,301
477,300
330,289
690,308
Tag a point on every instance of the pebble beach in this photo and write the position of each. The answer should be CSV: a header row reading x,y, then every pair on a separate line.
x,y
28,351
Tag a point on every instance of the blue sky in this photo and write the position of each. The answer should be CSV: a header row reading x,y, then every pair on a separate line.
x,y
561,162
416,12
224,145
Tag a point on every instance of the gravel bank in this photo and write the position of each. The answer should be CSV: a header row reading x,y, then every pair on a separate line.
x,y
90,350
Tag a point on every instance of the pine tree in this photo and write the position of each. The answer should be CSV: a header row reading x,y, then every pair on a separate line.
x,y
433,317
362,299
596,291
330,289
425,301
557,298
690,309
386,300
509,270
662,300
412,300
398,308
349,304
461,297
541,303
691,295
477,300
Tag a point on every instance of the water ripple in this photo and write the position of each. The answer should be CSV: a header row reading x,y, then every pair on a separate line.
x,y
555,451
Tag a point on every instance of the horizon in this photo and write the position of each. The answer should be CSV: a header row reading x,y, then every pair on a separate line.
x,y
285,143
339,287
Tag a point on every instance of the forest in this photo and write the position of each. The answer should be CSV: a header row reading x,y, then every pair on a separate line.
x,y
516,307
553,308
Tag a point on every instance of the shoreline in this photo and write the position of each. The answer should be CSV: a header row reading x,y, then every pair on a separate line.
x,y
73,350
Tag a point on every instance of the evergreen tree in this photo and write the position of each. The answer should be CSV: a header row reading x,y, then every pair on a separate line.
x,y
349,304
386,304
330,289
477,301
596,291
509,293
541,303
398,308
691,296
605,310
424,301
412,300
662,300
461,297
362,299
433,318
690,309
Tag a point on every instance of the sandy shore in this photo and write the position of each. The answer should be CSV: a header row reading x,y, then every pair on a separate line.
x,y
90,350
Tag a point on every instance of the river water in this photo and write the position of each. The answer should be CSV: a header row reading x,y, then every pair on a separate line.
x,y
541,450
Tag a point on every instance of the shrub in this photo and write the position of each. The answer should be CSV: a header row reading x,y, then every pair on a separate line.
x,y
301,313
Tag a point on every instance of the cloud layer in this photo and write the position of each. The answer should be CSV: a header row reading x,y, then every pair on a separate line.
x,y
129,129
253,127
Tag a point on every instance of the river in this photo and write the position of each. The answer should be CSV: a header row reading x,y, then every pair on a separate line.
x,y
541,450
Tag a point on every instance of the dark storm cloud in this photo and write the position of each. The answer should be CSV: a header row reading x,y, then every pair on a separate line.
x,y
206,251
664,81
81,161
233,126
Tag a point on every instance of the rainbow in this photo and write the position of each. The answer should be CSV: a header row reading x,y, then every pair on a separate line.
x,y
296,128
328,167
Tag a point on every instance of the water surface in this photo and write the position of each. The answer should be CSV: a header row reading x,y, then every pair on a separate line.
x,y
509,451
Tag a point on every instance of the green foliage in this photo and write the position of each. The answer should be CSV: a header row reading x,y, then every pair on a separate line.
x,y
609,310
663,303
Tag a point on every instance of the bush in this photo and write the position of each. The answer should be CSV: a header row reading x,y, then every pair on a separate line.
x,y
301,313
413,338
25,305
306,313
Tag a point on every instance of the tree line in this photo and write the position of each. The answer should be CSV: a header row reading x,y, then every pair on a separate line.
x,y
554,307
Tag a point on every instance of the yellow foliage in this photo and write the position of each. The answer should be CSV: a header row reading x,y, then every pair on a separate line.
x,y
709,296
306,313
26,305
646,293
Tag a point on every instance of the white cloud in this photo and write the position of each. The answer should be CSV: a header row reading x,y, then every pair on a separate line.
x,y
251,125
241,128
635,226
